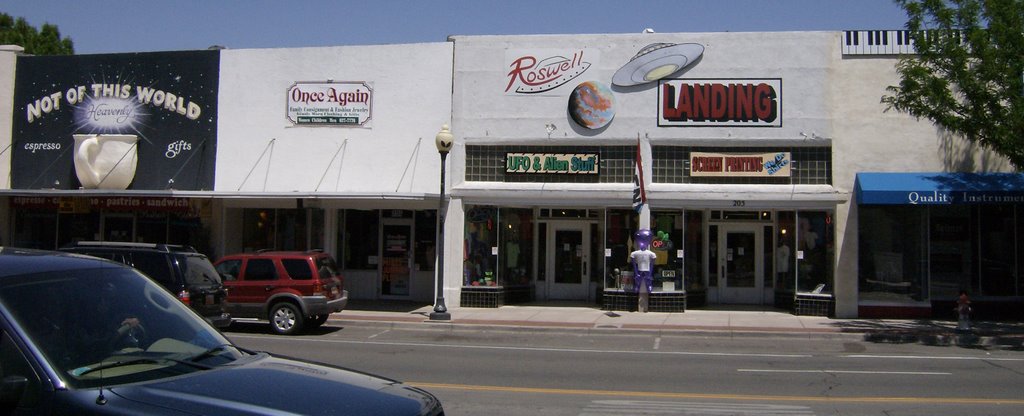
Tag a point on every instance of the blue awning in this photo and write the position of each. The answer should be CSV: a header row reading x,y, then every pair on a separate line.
x,y
937,188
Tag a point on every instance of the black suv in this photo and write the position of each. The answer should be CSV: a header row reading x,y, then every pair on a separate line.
x,y
184,271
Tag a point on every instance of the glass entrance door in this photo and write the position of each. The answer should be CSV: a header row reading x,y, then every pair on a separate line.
x,y
396,258
740,264
568,260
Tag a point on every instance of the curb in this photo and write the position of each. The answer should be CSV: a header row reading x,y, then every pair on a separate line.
x,y
1012,341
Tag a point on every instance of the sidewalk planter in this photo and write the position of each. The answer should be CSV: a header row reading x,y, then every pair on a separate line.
x,y
621,300
815,304
494,296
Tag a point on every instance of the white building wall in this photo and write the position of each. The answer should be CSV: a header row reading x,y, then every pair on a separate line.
x,y
395,154
484,113
8,60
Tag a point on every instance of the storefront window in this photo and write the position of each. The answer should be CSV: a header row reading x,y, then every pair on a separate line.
x,y
278,229
693,251
358,240
480,236
667,229
188,230
35,229
291,230
815,252
996,237
1020,249
516,249
426,240
78,227
949,243
258,229
893,252
151,227
621,225
785,254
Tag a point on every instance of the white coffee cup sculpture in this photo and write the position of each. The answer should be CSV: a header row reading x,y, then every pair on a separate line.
x,y
106,161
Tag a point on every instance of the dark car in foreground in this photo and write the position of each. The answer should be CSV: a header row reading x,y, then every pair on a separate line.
x,y
82,335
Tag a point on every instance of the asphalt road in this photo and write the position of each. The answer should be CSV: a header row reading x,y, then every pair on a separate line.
x,y
502,371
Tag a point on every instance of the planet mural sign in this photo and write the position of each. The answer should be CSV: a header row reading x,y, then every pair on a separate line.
x,y
592,105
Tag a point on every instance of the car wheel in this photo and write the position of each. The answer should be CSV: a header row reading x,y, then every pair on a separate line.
x,y
285,318
317,320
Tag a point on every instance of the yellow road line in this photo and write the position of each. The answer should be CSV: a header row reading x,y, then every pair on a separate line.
x,y
707,396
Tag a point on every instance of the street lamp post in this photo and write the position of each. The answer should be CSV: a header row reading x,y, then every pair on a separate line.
x,y
444,141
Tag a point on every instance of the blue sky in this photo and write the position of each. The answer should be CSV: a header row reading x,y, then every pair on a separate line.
x,y
143,25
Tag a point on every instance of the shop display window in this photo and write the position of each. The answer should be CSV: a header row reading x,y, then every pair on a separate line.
x,y
358,239
151,227
667,232
996,260
515,251
480,242
34,229
621,224
947,245
914,253
893,249
426,240
667,229
785,253
291,230
259,226
815,252
693,251
78,227
280,229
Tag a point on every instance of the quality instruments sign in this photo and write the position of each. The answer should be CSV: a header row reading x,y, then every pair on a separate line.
x,y
330,103
560,163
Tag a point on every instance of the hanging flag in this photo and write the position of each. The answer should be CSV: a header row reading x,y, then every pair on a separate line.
x,y
639,195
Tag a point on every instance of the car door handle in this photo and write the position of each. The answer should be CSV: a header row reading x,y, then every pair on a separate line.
x,y
268,288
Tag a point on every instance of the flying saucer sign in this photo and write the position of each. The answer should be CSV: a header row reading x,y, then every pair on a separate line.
x,y
657,61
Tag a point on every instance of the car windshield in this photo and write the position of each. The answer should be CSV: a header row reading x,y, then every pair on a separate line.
x,y
199,271
109,326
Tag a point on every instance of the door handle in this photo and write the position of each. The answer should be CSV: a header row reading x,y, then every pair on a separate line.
x,y
268,288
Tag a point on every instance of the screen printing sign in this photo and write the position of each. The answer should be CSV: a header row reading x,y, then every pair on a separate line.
x,y
555,163
720,103
740,164
344,104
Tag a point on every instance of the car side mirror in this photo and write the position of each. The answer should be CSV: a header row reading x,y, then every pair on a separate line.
x,y
12,388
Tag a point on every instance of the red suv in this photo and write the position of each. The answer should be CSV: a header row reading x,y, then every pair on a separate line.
x,y
293,290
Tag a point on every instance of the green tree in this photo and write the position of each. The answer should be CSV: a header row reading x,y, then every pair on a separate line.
x,y
45,41
968,74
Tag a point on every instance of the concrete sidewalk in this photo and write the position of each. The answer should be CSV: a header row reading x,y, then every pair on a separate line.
x,y
705,320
